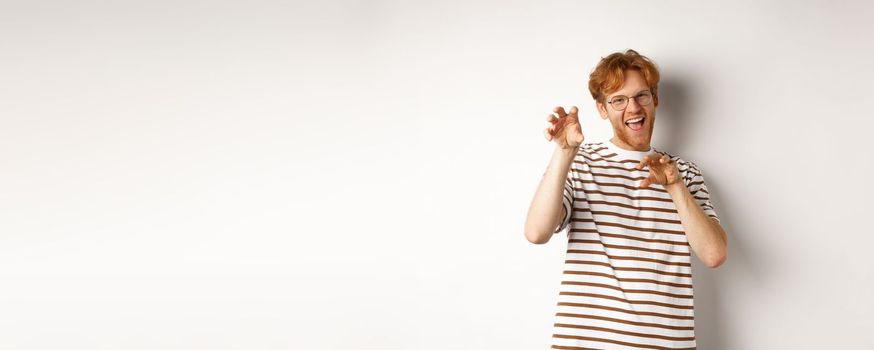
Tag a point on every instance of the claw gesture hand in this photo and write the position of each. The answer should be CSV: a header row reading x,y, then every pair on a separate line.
x,y
565,128
662,170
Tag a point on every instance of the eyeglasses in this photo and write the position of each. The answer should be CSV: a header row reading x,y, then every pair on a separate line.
x,y
619,103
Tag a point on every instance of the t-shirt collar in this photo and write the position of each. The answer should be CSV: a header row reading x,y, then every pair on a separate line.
x,y
627,154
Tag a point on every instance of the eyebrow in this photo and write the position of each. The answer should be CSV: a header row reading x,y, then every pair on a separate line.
x,y
638,93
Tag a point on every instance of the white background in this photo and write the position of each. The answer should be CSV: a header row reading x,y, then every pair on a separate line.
x,y
356,174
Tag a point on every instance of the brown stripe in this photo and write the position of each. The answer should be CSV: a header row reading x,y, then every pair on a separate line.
x,y
645,198
632,217
590,273
625,216
644,229
696,183
664,241
631,170
640,302
597,157
638,291
572,347
613,257
642,313
609,175
630,280
630,187
587,262
638,269
634,334
579,337
623,205
590,150
616,246
685,168
618,320
602,158
591,230
641,269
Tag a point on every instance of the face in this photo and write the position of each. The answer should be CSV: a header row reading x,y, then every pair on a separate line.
x,y
629,135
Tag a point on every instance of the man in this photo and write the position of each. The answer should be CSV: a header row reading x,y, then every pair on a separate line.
x,y
635,215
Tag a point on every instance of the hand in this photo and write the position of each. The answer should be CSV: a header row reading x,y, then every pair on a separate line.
x,y
565,128
662,170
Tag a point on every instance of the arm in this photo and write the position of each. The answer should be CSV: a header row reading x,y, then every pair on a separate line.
x,y
546,211
705,234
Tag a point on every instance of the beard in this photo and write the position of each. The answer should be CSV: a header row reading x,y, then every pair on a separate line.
x,y
636,139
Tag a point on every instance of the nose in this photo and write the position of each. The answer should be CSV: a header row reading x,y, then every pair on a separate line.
x,y
632,106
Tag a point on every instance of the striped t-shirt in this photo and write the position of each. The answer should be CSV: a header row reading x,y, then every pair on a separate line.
x,y
627,281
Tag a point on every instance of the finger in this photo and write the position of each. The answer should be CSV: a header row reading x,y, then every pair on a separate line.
x,y
553,120
559,111
547,135
649,180
655,164
664,159
574,114
643,162
645,182
558,128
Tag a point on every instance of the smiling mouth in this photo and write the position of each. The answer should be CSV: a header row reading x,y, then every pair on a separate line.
x,y
636,123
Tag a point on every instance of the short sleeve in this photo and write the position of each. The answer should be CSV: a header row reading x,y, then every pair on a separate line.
x,y
694,180
567,203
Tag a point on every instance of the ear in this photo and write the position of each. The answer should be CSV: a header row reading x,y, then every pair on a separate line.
x,y
655,100
602,109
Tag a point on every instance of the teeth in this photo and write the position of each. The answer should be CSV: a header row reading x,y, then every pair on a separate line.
x,y
635,120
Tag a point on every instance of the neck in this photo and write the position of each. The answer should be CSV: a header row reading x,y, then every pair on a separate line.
x,y
621,144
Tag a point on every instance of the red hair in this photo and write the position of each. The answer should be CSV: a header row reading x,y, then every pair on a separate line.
x,y
609,75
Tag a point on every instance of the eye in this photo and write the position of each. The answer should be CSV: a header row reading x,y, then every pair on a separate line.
x,y
618,100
